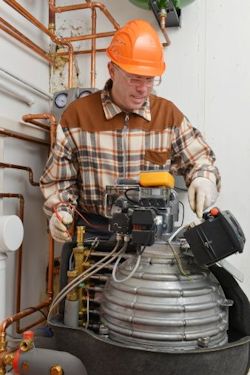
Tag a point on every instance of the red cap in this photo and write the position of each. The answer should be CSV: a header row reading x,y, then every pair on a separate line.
x,y
28,335
214,211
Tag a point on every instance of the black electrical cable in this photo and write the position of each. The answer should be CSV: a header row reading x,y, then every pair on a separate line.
x,y
131,200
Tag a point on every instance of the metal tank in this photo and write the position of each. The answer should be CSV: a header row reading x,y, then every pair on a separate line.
x,y
169,303
169,318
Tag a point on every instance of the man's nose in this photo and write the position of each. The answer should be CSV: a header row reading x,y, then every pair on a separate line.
x,y
142,86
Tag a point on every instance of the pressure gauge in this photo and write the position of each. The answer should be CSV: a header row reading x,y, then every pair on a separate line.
x,y
61,100
84,93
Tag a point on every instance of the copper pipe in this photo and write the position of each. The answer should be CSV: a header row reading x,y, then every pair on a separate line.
x,y
89,5
28,169
16,317
63,42
13,134
52,19
31,118
21,10
50,291
9,29
93,49
37,123
168,41
44,116
83,52
89,36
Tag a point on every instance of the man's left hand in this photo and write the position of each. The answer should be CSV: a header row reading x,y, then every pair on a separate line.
x,y
202,193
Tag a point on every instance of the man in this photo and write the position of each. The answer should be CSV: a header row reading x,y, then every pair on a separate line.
x,y
119,132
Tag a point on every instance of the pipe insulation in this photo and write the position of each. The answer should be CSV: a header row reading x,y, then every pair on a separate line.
x,y
3,261
16,94
22,82
11,233
11,237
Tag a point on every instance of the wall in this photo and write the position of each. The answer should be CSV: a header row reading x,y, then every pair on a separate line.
x,y
206,77
20,61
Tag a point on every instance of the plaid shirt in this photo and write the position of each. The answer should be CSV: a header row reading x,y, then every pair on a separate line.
x,y
84,161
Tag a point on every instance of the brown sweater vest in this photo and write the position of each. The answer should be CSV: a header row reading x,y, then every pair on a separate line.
x,y
87,113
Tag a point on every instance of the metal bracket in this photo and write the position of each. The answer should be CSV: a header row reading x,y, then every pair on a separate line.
x,y
173,13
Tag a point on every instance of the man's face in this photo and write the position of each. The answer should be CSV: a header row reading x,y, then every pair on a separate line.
x,y
129,91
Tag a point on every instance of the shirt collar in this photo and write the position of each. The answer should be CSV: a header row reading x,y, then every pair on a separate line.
x,y
111,109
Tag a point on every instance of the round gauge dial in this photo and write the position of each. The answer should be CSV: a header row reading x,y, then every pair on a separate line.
x,y
61,100
84,93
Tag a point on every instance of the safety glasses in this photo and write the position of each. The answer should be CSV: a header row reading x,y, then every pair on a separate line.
x,y
136,80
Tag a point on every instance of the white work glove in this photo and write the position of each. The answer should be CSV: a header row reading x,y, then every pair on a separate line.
x,y
202,193
58,228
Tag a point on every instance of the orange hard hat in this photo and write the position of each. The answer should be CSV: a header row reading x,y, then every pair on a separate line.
x,y
136,48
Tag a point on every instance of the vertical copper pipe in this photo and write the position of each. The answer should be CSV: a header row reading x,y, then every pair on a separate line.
x,y
23,137
61,42
52,17
93,49
50,290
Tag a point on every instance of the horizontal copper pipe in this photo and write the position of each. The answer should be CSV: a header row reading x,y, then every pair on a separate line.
x,y
32,118
89,36
83,52
44,116
28,169
22,314
39,124
13,134
9,29
89,5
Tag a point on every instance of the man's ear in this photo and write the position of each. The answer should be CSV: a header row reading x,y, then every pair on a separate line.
x,y
111,70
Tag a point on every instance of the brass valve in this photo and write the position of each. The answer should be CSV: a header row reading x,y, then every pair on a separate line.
x,y
80,235
56,370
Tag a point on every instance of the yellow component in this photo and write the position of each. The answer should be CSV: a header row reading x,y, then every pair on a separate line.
x,y
156,178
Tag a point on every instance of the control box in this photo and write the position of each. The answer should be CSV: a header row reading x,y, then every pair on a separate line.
x,y
219,236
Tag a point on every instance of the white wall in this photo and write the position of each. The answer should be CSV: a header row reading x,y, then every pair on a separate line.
x,y
20,61
207,77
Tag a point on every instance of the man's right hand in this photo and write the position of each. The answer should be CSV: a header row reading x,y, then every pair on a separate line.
x,y
58,226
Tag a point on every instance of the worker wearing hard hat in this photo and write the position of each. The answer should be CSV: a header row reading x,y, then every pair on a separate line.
x,y
121,131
